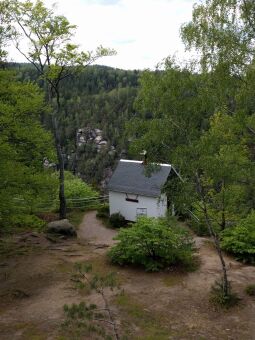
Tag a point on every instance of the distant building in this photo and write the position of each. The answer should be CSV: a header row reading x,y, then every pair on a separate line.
x,y
132,193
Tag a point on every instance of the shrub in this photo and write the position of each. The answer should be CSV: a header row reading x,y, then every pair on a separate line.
x,y
240,240
153,244
117,220
219,298
78,193
24,221
103,211
250,290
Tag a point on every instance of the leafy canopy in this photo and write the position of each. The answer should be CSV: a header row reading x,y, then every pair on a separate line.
x,y
240,240
23,145
223,32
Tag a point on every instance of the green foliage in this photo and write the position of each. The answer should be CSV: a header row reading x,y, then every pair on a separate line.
x,y
220,299
171,104
117,220
5,30
25,184
240,240
212,148
78,193
79,311
150,325
27,222
81,321
103,211
250,289
221,30
153,244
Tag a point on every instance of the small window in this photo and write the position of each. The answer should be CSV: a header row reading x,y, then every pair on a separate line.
x,y
141,212
132,198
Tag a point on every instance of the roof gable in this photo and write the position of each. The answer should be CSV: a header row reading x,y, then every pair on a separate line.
x,y
129,177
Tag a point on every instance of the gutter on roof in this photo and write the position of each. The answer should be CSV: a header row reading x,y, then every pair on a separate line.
x,y
135,193
141,162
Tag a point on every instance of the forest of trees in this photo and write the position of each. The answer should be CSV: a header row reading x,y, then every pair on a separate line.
x,y
98,97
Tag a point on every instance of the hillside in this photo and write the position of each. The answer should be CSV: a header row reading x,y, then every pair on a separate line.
x,y
96,104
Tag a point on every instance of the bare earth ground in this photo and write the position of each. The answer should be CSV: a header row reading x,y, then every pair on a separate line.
x,y
35,285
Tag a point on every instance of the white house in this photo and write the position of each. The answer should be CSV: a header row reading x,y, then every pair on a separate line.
x,y
133,194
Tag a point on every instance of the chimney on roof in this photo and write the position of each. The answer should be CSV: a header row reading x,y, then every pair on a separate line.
x,y
144,154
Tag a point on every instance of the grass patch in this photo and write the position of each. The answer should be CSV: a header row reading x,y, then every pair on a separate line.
x,y
172,279
64,267
250,290
29,331
9,248
148,325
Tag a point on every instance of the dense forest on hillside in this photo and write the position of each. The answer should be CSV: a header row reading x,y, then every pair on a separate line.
x,y
99,98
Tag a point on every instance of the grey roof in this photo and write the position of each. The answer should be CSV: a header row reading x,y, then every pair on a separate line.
x,y
129,178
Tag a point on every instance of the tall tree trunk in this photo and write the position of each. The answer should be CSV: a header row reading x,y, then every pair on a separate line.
x,y
51,89
219,251
215,238
223,217
61,195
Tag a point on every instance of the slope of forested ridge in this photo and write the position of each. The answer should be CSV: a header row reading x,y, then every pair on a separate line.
x,y
95,105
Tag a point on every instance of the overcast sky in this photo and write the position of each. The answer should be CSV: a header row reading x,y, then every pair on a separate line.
x,y
143,32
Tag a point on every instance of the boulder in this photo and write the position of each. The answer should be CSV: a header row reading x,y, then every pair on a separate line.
x,y
61,227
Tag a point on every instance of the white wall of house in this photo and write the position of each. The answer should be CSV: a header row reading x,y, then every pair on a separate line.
x,y
149,206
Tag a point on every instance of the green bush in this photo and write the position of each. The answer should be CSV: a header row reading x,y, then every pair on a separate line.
x,y
103,211
117,220
250,290
27,222
78,193
240,240
153,244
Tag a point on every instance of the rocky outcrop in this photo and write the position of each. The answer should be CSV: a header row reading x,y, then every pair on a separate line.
x,y
94,136
61,227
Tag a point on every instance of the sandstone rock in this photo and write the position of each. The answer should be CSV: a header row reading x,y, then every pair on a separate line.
x,y
61,227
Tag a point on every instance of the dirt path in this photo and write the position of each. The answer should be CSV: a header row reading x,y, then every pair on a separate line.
x,y
92,230
172,305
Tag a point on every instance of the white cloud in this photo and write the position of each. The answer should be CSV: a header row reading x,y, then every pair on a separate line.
x,y
142,31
